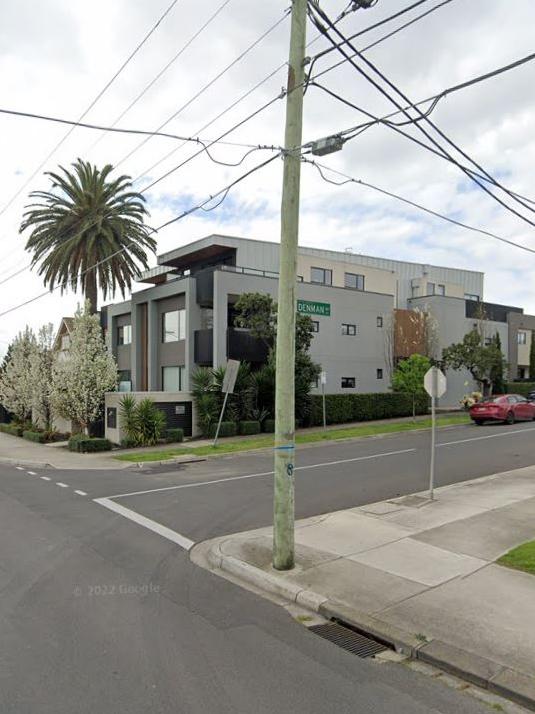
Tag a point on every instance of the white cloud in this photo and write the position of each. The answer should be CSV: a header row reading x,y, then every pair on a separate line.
x,y
55,57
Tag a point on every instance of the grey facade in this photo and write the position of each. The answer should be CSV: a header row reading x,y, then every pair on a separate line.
x,y
204,278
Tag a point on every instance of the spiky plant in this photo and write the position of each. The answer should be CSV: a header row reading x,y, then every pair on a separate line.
x,y
88,219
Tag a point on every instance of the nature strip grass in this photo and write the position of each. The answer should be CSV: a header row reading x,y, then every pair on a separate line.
x,y
520,558
266,441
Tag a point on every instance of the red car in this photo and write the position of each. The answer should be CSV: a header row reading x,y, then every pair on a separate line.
x,y
507,408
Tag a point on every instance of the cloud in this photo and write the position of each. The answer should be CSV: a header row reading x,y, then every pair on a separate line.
x,y
55,57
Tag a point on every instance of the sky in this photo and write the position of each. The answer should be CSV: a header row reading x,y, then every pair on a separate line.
x,y
57,56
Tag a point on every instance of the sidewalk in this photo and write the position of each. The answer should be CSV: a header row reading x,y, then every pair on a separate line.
x,y
419,574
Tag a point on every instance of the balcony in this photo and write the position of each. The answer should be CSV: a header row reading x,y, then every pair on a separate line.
x,y
203,347
241,345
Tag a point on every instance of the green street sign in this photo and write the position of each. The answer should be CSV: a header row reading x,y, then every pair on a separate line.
x,y
307,307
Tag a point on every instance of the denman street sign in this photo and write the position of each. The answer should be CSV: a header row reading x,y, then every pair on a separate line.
x,y
307,307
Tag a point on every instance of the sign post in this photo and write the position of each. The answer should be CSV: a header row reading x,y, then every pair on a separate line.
x,y
229,382
435,386
323,380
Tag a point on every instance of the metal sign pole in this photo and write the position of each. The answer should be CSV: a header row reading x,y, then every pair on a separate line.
x,y
220,418
324,409
432,467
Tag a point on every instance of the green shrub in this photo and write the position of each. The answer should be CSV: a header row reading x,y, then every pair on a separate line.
x,y
86,444
249,427
228,428
523,388
37,436
342,408
12,429
174,435
269,426
142,421
128,443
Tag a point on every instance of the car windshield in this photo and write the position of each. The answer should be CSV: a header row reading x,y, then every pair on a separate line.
x,y
491,400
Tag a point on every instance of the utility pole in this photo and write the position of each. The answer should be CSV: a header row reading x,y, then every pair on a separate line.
x,y
283,505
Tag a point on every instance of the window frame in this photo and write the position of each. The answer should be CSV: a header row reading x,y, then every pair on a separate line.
x,y
121,341
524,335
315,324
359,278
379,322
180,325
379,373
327,272
347,332
348,386
181,369
441,290
124,373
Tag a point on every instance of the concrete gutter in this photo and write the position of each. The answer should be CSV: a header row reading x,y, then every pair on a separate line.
x,y
479,670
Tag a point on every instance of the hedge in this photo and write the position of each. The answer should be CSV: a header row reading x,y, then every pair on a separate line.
x,y
269,426
85,444
249,427
12,429
341,408
37,436
228,428
173,435
523,388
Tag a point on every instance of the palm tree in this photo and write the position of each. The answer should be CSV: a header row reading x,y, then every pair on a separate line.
x,y
86,220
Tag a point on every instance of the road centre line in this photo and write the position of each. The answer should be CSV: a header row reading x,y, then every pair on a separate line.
x,y
32,473
488,436
45,478
151,525
19,468
63,485
80,493
264,473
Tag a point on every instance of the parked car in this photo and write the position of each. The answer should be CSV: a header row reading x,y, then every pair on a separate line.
x,y
507,408
531,397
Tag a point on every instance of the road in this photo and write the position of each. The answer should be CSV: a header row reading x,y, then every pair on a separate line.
x,y
106,613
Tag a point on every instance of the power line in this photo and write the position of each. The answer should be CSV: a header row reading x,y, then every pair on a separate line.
x,y
208,84
100,127
91,105
350,179
165,68
13,275
422,116
200,206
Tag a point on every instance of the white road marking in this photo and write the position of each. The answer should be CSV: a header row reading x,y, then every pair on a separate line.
x,y
163,531
20,468
63,485
264,473
489,436
32,473
81,493
45,478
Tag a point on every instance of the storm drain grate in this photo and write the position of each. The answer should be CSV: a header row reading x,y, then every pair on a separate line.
x,y
349,640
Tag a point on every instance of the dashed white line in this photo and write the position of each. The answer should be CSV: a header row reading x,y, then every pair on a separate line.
x,y
63,485
163,531
19,468
80,493
45,478
32,473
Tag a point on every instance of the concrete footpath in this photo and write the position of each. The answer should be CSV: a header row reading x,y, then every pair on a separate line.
x,y
419,574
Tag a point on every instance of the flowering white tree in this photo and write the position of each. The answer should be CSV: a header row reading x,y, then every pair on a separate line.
x,y
41,364
80,381
16,388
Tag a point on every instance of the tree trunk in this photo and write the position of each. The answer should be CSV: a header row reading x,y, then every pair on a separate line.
x,y
90,290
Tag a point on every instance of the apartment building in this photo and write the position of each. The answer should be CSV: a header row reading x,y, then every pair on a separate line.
x,y
185,317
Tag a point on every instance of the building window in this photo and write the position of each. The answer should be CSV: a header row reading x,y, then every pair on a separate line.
x,y
521,374
124,379
315,326
415,289
471,296
354,281
379,321
522,338
488,341
351,330
321,275
430,288
348,383
174,326
172,379
379,373
441,290
124,335
65,342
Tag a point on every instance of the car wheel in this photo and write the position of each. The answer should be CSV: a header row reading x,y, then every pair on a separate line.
x,y
510,418
479,422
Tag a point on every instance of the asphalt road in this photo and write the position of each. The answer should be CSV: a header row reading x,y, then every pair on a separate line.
x,y
99,613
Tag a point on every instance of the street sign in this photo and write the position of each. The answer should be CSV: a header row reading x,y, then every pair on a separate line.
x,y
231,372
323,377
435,382
308,307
